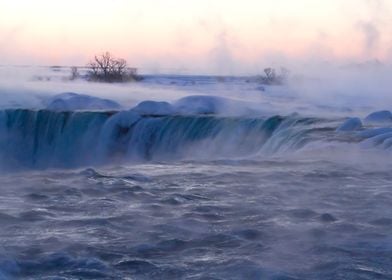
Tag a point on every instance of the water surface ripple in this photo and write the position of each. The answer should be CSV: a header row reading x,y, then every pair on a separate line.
x,y
272,219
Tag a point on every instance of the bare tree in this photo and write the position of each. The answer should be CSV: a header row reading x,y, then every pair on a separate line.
x,y
272,78
74,73
270,74
106,68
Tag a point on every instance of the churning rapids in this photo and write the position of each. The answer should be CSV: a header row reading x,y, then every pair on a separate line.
x,y
193,197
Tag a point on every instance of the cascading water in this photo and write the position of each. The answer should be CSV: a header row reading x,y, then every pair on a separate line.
x,y
68,139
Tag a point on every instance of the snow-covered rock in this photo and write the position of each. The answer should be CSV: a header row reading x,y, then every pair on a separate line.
x,y
200,104
154,108
379,117
73,101
351,124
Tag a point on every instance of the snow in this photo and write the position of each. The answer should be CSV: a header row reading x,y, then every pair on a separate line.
x,y
72,101
199,104
154,108
379,117
351,124
190,94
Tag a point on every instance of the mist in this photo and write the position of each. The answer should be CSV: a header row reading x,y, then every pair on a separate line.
x,y
354,89
330,74
218,140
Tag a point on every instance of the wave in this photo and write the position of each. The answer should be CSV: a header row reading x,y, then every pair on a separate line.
x,y
42,139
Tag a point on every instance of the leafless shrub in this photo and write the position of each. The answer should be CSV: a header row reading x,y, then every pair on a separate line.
x,y
106,68
272,78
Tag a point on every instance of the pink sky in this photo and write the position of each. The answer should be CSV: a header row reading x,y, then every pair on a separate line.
x,y
200,34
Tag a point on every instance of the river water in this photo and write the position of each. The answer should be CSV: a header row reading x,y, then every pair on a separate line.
x,y
274,218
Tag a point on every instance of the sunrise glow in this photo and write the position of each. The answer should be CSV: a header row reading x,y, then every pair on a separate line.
x,y
177,33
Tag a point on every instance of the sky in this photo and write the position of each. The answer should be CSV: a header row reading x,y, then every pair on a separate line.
x,y
201,35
